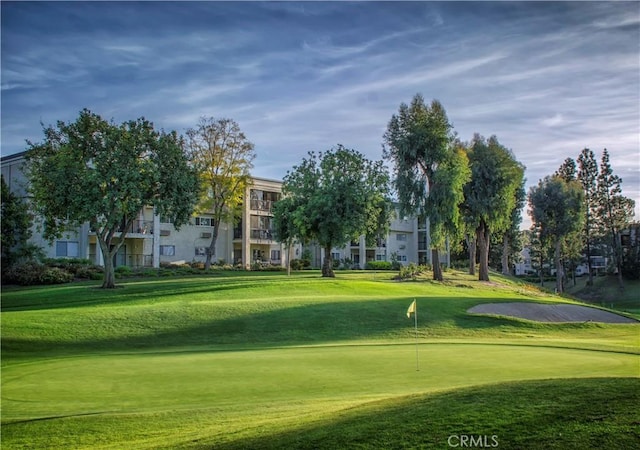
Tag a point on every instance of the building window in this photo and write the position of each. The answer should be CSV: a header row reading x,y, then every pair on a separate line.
x,y
275,255
380,257
67,248
401,237
402,258
335,256
201,251
203,221
167,250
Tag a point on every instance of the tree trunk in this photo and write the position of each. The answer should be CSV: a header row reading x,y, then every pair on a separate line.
x,y
211,250
471,243
109,279
327,266
289,250
483,246
435,260
618,256
505,256
559,271
589,268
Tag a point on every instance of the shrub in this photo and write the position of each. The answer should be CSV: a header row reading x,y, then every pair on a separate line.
x,y
32,273
378,265
90,272
300,264
123,271
411,271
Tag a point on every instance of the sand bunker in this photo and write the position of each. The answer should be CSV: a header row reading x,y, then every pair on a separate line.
x,y
550,312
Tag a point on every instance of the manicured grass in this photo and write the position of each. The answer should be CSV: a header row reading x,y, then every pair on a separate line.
x,y
267,361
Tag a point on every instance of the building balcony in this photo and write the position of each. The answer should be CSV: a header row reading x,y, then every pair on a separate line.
x,y
261,205
262,235
139,228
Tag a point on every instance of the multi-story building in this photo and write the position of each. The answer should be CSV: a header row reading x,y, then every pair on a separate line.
x,y
152,240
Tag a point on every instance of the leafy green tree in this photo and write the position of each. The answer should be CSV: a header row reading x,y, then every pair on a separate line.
x,y
223,157
430,169
16,228
588,177
614,211
284,212
332,198
492,194
95,171
556,209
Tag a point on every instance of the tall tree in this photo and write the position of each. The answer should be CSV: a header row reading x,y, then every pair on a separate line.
x,y
556,209
567,170
588,177
615,211
98,172
333,198
429,171
511,238
492,194
223,157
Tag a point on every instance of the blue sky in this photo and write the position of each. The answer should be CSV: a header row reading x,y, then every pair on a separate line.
x,y
547,78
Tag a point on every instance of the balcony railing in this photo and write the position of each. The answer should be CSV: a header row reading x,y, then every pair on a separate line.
x,y
266,235
261,205
137,227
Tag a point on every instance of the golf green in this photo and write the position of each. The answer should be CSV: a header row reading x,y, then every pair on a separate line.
x,y
146,382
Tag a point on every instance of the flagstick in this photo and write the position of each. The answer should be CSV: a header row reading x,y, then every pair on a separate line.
x,y
415,316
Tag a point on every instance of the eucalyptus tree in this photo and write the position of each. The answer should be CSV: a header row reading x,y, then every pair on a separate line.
x,y
614,211
588,177
556,211
334,197
223,157
492,195
429,169
95,171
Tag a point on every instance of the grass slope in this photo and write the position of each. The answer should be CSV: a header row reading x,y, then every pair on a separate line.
x,y
267,361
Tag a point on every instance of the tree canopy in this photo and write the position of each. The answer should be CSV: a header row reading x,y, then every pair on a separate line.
x,y
429,170
556,212
334,197
95,171
493,193
223,156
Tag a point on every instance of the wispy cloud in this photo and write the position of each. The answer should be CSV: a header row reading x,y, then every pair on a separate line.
x,y
547,78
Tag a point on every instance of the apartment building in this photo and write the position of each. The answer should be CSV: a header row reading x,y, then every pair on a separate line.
x,y
152,240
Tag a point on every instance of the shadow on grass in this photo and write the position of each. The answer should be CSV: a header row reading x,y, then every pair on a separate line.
x,y
275,324
83,294
550,414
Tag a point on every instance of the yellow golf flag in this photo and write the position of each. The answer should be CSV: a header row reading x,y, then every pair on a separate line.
x,y
412,309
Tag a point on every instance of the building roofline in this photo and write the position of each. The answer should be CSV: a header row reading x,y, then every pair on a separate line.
x,y
18,155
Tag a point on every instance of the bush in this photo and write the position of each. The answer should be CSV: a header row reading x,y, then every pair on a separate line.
x,y
300,264
378,265
123,271
411,271
89,272
32,273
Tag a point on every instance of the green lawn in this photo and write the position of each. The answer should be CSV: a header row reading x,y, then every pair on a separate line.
x,y
261,360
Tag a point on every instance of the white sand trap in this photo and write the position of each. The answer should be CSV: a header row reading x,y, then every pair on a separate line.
x,y
542,312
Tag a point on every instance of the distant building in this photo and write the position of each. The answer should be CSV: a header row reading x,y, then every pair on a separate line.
x,y
152,240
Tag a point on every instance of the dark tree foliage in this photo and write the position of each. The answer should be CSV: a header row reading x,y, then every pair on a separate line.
x,y
98,172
